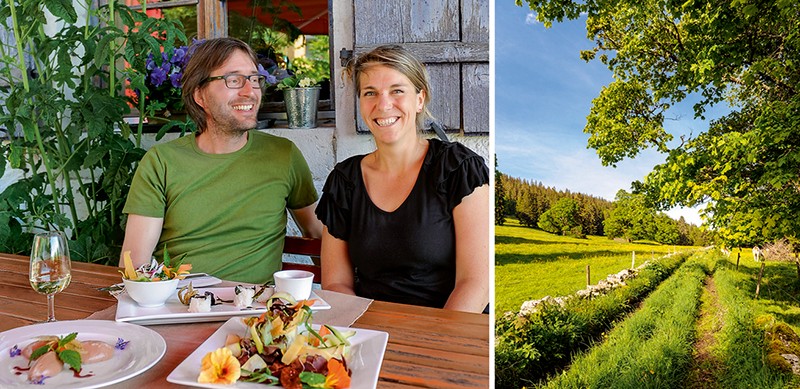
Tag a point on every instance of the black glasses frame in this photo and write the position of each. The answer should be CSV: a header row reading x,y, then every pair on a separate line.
x,y
256,80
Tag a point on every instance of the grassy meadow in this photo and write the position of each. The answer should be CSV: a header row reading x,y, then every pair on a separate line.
x,y
780,287
702,327
531,264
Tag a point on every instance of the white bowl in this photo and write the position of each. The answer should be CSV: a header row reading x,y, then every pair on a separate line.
x,y
150,294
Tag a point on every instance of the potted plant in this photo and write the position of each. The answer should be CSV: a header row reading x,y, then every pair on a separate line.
x,y
301,93
62,115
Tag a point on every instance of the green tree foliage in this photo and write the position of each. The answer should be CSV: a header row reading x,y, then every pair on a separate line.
x,y
527,209
499,196
744,53
666,231
561,218
527,201
630,218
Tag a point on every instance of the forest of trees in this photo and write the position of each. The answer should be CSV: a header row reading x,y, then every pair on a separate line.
x,y
576,214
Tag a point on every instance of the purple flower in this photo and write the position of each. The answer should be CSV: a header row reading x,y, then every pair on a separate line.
x,y
270,79
15,351
175,79
158,76
150,64
179,55
39,380
121,344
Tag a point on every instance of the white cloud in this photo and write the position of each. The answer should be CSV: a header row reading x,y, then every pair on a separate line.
x,y
530,18
691,215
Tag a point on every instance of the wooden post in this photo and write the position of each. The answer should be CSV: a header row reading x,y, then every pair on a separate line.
x,y
797,263
758,284
633,260
588,276
738,256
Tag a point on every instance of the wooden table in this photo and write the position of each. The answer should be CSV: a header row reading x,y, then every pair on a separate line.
x,y
430,348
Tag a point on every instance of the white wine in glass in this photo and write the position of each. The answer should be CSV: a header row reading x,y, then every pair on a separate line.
x,y
50,269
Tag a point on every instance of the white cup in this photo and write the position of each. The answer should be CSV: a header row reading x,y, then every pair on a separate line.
x,y
295,282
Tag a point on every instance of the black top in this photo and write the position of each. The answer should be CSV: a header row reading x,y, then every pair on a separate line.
x,y
408,255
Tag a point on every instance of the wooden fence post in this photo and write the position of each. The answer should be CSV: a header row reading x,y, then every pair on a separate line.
x,y
758,284
633,260
588,277
738,256
797,263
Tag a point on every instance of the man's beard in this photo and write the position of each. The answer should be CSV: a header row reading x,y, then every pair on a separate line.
x,y
225,120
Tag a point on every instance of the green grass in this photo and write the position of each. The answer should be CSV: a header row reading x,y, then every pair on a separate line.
x,y
780,288
531,264
653,347
531,347
740,345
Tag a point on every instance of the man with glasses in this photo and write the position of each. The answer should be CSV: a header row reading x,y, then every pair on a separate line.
x,y
220,195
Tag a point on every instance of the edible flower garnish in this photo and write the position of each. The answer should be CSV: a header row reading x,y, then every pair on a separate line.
x,y
280,347
121,344
155,271
337,375
14,351
219,367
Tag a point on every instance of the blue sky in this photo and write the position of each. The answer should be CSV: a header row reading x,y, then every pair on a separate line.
x,y
543,93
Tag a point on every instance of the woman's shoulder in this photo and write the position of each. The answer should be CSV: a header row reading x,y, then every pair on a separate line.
x,y
350,167
450,155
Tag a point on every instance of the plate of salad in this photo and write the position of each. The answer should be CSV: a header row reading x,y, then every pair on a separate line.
x,y
283,348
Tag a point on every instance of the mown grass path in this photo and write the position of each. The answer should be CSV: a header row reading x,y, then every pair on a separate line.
x,y
706,366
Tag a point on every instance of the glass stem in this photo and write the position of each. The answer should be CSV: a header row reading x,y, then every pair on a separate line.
x,y
51,309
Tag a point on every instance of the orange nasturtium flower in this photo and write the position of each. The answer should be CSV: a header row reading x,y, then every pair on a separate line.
x,y
219,367
337,375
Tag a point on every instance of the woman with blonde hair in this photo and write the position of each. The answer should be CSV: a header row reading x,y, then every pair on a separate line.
x,y
408,222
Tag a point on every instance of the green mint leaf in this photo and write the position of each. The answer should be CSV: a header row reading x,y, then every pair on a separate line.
x,y
40,351
69,338
71,358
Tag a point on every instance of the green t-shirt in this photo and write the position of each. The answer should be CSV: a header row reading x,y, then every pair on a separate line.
x,y
226,212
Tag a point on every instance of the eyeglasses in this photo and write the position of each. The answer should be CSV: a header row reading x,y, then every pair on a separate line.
x,y
236,81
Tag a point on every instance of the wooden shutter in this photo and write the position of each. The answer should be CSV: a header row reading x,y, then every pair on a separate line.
x,y
451,37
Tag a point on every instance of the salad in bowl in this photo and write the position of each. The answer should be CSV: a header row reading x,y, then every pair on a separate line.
x,y
151,284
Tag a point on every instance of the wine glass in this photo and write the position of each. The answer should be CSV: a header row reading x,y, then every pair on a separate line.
x,y
50,269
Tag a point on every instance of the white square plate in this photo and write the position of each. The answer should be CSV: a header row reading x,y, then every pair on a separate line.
x,y
366,356
173,311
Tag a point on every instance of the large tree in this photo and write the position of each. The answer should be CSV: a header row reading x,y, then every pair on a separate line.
x,y
630,218
562,218
745,167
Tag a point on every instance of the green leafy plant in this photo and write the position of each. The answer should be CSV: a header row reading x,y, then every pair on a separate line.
x,y
63,111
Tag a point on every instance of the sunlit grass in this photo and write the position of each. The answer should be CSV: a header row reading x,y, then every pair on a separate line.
x,y
650,349
531,264
740,345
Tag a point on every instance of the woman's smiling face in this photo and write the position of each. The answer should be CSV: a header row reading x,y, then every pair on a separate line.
x,y
389,103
